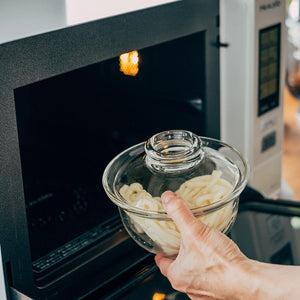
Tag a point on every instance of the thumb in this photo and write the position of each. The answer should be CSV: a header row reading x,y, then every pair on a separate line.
x,y
179,211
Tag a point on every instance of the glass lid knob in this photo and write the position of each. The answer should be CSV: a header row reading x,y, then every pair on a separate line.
x,y
173,151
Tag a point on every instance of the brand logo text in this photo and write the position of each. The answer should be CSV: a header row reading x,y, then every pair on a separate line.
x,y
274,4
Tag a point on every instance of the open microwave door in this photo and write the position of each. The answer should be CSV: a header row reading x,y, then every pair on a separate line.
x,y
268,230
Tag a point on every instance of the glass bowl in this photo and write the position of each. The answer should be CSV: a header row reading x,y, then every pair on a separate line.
x,y
207,173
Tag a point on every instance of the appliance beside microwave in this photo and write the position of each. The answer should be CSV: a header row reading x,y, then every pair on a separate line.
x,y
73,98
252,86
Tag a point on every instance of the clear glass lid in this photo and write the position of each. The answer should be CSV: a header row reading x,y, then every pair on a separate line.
x,y
174,160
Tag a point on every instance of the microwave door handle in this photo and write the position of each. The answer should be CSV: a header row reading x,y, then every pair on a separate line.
x,y
278,207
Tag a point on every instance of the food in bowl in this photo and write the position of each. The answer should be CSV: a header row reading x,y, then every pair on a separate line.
x,y
198,192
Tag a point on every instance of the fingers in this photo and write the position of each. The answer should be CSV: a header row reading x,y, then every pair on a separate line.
x,y
163,263
178,210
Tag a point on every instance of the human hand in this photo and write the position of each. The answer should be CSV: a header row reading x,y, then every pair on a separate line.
x,y
209,265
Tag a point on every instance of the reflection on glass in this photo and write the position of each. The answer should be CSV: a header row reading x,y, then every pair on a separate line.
x,y
159,296
295,223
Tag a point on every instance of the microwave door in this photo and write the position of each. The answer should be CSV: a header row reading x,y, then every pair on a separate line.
x,y
268,230
279,207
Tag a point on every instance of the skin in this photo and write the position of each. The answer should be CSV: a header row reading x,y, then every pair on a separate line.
x,y
209,265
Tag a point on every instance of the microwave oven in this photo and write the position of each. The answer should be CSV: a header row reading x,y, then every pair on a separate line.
x,y
74,97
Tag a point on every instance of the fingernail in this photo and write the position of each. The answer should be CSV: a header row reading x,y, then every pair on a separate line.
x,y
167,196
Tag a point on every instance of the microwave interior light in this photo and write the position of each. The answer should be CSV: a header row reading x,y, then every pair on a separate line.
x,y
129,63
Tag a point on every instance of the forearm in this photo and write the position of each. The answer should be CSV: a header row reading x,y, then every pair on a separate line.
x,y
269,281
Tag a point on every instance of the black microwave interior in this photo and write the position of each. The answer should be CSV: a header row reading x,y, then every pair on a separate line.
x,y
71,125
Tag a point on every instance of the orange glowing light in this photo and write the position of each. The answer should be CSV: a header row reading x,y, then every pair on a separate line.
x,y
158,296
129,63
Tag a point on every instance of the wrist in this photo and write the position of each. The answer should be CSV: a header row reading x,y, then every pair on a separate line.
x,y
258,284
246,280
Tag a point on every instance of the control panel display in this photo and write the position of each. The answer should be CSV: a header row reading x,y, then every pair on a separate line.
x,y
269,68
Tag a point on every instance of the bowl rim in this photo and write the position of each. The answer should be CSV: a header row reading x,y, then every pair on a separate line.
x,y
197,211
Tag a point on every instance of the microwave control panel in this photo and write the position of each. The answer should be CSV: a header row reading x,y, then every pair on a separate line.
x,y
252,86
268,68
